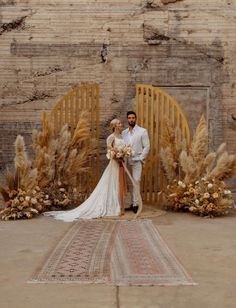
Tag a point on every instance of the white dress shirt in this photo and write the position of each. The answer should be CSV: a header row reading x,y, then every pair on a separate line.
x,y
139,141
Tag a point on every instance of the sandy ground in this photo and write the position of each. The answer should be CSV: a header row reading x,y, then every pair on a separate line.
x,y
206,248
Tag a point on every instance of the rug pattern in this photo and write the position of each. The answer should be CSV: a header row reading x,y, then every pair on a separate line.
x,y
81,256
141,257
113,252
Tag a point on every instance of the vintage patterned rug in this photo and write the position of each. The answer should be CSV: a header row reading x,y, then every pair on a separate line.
x,y
113,252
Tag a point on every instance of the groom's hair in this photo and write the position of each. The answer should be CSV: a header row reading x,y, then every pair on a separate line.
x,y
131,112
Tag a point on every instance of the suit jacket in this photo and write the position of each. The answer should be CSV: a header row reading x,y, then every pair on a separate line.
x,y
139,141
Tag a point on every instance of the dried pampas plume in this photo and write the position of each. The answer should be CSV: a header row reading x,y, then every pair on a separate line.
x,y
21,159
172,144
168,162
221,149
195,162
225,167
199,145
82,131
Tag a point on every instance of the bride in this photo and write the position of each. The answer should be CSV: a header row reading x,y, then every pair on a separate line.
x,y
105,199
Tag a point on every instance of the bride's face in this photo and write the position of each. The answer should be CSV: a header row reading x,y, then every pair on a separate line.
x,y
118,125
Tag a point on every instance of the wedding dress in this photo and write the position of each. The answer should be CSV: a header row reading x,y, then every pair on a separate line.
x,y
104,200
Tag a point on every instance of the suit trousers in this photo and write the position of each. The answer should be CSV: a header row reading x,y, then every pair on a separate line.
x,y
136,171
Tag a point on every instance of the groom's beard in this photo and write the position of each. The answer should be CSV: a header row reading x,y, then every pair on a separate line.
x,y
132,124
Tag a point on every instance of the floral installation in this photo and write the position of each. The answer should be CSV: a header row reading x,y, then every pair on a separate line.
x,y
205,197
50,181
195,177
23,204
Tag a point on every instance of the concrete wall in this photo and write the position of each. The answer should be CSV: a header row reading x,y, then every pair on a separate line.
x,y
186,47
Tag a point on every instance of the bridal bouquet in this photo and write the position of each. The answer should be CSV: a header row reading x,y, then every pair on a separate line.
x,y
120,152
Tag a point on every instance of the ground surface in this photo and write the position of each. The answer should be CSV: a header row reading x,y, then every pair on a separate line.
x,y
206,248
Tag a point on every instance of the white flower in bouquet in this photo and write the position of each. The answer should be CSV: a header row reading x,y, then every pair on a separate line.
x,y
227,192
210,185
34,211
206,195
197,201
119,155
34,201
215,195
181,184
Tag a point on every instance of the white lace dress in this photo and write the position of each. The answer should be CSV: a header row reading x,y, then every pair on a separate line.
x,y
104,200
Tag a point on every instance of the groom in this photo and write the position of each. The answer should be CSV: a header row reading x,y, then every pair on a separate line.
x,y
138,138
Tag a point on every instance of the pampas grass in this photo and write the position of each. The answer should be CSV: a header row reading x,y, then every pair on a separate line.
x,y
188,165
21,158
44,146
169,163
199,145
171,146
54,170
64,159
185,167
225,167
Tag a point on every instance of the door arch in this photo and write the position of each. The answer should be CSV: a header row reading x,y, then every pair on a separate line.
x,y
153,106
67,111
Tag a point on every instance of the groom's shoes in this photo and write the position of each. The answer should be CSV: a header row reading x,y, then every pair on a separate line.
x,y
135,209
130,208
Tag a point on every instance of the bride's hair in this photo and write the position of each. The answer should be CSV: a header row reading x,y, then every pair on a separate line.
x,y
113,124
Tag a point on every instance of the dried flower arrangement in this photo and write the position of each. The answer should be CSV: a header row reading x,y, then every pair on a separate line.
x,y
50,180
196,177
120,152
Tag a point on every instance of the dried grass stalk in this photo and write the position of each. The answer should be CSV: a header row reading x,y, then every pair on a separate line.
x,y
225,167
168,163
22,162
199,145
172,144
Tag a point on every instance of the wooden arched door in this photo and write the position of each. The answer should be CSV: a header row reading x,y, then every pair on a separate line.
x,y
153,106
67,111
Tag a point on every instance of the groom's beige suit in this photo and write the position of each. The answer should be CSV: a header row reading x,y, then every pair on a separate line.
x,y
139,140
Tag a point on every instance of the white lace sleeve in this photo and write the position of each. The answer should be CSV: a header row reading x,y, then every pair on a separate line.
x,y
110,140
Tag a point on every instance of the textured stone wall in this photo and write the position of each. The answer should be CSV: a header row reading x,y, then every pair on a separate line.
x,y
186,47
